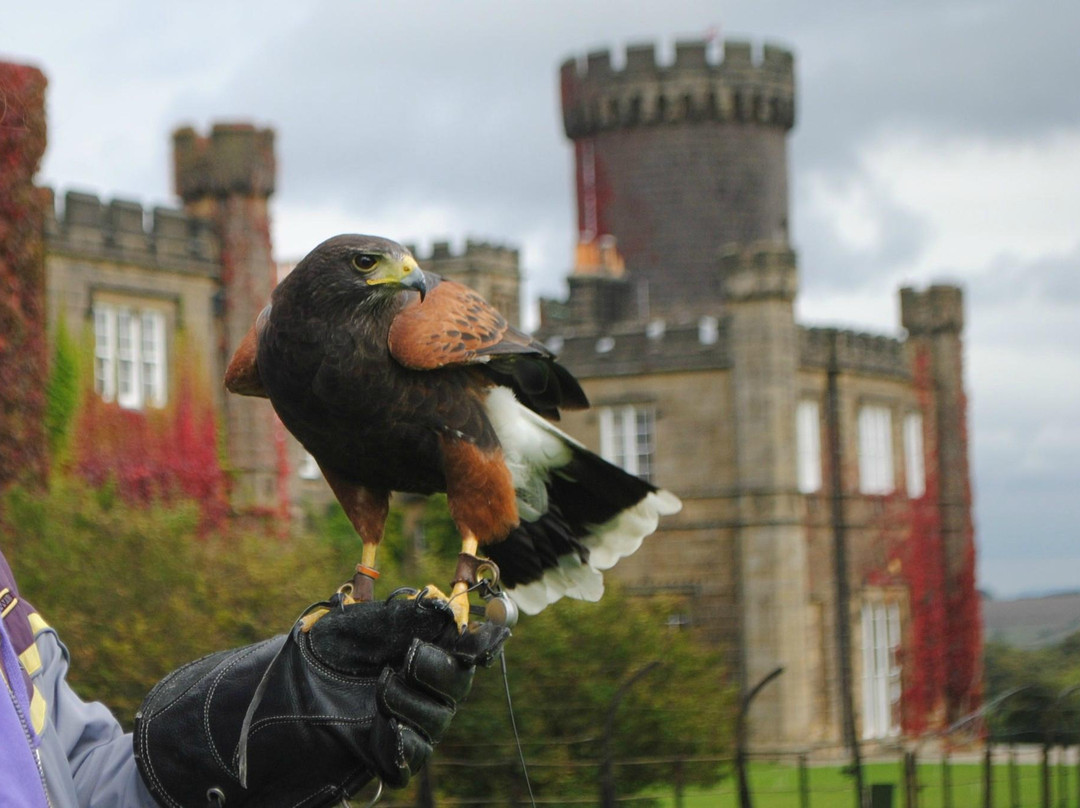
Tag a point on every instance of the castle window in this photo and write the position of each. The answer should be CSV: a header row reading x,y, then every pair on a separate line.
x,y
105,352
627,438
808,437
129,355
875,450
152,327
881,669
708,330
914,467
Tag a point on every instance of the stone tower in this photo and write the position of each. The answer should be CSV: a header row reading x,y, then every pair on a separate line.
x,y
934,319
678,161
227,178
682,204
759,283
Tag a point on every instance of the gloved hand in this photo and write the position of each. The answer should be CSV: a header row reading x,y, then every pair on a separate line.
x,y
366,692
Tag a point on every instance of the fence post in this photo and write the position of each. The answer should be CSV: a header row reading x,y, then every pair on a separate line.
x,y
1014,779
1078,775
911,780
988,776
1063,779
804,783
607,764
425,794
679,782
946,780
740,736
1045,776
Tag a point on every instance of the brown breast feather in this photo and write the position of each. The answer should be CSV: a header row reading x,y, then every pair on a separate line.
x,y
453,326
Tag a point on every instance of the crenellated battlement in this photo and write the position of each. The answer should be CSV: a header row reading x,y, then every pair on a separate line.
x,y
234,158
123,231
695,87
856,352
635,348
936,310
476,254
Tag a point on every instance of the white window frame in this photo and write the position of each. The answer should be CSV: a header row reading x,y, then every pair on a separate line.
x,y
708,330
914,457
152,357
808,445
128,366
875,450
105,351
881,670
628,438
130,355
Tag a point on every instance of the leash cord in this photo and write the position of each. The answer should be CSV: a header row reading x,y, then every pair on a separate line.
x,y
513,724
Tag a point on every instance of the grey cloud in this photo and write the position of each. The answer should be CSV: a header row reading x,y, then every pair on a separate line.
x,y
1051,278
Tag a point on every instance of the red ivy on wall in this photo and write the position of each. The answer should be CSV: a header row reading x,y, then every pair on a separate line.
x,y
153,455
23,357
942,650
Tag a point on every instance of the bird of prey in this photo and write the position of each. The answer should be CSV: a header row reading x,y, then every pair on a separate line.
x,y
395,379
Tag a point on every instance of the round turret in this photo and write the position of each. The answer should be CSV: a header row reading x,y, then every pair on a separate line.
x,y
678,161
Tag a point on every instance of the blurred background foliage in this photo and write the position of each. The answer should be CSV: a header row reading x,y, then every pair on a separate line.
x,y
1044,683
131,552
137,589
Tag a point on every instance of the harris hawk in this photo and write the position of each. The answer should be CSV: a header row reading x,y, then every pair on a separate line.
x,y
395,379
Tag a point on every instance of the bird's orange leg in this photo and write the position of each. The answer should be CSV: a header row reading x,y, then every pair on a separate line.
x,y
363,581
366,509
459,595
483,504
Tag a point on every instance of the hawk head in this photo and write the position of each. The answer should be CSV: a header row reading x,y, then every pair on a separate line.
x,y
366,263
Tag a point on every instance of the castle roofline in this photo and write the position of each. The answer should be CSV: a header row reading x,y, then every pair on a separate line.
x,y
124,231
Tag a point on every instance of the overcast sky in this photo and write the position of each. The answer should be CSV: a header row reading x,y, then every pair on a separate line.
x,y
935,141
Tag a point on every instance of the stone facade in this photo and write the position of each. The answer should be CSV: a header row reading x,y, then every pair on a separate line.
x,y
682,170
207,269
680,323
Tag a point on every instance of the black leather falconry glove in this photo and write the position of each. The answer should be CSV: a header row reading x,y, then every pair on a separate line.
x,y
365,693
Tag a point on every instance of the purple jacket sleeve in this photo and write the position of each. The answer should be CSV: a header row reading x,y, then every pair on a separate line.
x,y
88,760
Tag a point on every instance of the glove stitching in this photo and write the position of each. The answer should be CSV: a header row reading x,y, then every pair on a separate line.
x,y
321,720
176,673
209,698
156,785
329,673
144,729
396,727
395,715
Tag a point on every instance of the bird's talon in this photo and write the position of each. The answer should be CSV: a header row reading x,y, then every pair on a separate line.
x,y
460,608
429,592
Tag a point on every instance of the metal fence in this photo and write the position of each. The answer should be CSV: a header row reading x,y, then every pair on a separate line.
x,y
986,776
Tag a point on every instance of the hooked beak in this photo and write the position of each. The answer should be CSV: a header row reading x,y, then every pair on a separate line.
x,y
416,279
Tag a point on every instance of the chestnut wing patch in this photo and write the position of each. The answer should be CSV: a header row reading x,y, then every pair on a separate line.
x,y
242,375
453,326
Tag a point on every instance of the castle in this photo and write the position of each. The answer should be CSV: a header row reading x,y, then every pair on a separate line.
x,y
827,521
827,524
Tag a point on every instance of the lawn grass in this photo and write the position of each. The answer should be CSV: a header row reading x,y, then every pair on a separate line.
x,y
776,785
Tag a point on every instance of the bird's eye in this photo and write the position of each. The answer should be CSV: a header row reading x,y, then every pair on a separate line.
x,y
364,262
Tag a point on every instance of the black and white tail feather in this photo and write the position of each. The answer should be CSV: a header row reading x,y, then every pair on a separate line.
x,y
579,513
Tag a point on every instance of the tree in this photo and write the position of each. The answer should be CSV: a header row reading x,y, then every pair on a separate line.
x,y
1044,708
564,669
